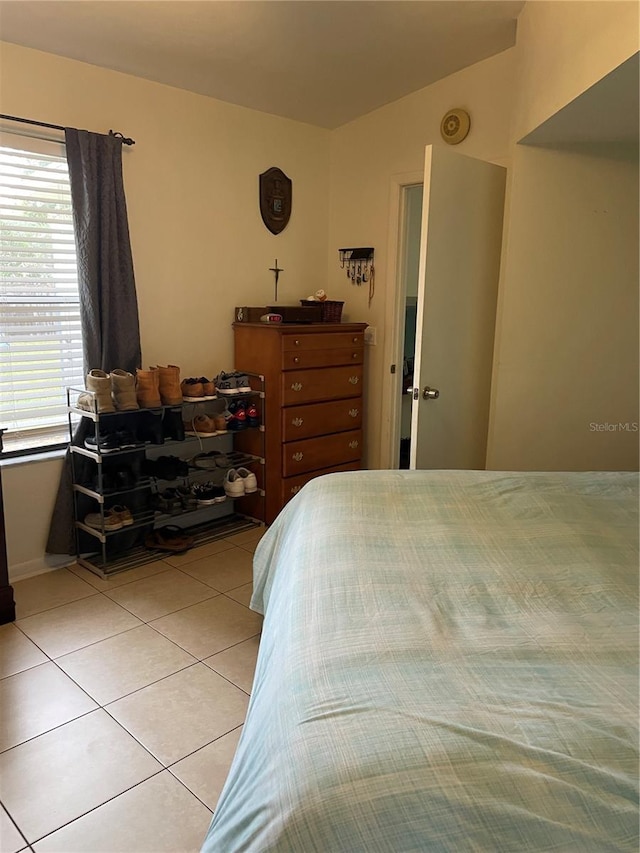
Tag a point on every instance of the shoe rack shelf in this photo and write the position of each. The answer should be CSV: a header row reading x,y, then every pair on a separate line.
x,y
116,550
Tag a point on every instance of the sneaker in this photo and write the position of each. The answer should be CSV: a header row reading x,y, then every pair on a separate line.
x,y
220,422
187,498
249,479
127,440
207,494
109,521
233,484
124,514
238,413
201,425
208,388
243,386
226,384
253,418
192,390
105,442
167,501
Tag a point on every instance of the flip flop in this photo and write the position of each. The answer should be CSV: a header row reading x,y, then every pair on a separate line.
x,y
169,538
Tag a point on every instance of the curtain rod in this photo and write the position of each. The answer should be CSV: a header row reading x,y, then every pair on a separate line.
x,y
125,140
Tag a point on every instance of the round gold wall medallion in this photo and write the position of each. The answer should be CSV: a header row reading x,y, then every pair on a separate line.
x,y
455,126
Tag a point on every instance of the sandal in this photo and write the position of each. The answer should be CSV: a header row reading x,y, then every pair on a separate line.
x,y
169,538
205,460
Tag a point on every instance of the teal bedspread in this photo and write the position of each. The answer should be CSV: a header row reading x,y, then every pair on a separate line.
x,y
449,662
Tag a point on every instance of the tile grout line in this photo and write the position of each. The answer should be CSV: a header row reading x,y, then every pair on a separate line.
x,y
100,706
110,799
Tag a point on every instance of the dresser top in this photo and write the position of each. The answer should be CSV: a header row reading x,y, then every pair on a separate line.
x,y
302,328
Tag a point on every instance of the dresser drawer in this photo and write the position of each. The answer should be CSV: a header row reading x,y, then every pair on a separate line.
x,y
292,485
300,359
320,419
312,454
322,341
309,386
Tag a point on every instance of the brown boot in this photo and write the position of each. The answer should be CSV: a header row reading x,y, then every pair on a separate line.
x,y
148,389
123,390
170,385
99,383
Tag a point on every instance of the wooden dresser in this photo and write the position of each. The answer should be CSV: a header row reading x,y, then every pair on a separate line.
x,y
314,377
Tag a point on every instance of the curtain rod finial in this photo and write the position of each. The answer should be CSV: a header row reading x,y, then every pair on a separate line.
x,y
124,139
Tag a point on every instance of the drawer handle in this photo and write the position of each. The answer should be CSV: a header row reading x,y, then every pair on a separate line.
x,y
296,386
354,355
354,413
353,444
296,360
294,490
353,380
297,343
297,457
355,340
297,422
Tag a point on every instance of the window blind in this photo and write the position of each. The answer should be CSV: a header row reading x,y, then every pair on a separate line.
x,y
40,331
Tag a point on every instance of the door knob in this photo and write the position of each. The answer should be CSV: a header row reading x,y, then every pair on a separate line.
x,y
430,393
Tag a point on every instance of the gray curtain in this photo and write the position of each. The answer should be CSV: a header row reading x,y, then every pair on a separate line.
x,y
108,303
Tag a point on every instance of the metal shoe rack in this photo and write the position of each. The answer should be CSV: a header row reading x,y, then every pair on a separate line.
x,y
106,552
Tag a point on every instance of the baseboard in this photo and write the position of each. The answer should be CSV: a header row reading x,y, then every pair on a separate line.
x,y
48,563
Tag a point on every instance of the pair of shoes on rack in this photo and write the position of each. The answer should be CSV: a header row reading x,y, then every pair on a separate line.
x,y
169,538
208,493
153,426
175,500
158,386
109,392
209,461
165,468
197,390
231,384
108,442
119,478
114,518
242,414
239,482
205,426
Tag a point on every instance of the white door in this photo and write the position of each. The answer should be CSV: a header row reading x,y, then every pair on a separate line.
x,y
461,239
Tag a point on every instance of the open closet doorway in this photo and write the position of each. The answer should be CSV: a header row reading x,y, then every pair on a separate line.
x,y
447,382
409,264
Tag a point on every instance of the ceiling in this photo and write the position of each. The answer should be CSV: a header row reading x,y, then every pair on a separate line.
x,y
325,62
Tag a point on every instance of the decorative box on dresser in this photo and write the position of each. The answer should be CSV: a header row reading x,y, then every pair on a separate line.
x,y
314,378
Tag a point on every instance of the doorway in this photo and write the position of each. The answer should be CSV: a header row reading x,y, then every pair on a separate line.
x,y
409,264
441,345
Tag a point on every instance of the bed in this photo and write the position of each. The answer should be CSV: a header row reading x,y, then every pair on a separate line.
x,y
449,662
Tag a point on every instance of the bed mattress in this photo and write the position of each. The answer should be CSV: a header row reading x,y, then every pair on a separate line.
x,y
449,662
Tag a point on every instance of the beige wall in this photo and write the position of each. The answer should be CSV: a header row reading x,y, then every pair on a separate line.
x,y
367,155
199,245
551,342
565,46
567,363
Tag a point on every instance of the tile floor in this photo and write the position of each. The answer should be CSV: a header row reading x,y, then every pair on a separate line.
x,y
122,701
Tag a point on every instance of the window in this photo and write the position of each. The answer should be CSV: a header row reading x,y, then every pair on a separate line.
x,y
40,331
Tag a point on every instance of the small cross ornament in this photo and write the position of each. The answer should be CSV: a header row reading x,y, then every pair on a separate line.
x,y
276,270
